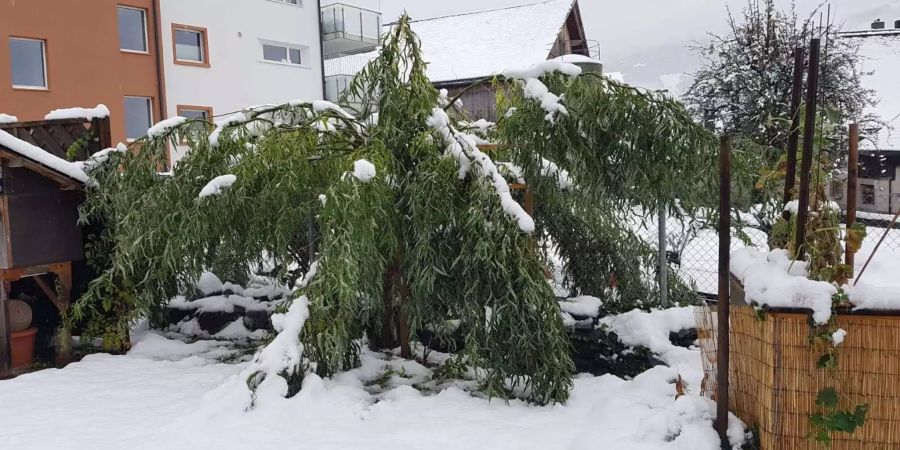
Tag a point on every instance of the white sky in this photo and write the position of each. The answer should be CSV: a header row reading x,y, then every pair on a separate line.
x,y
647,40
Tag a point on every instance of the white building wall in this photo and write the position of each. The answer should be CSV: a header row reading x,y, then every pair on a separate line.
x,y
238,75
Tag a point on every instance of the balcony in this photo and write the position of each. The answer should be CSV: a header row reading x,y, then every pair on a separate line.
x,y
349,29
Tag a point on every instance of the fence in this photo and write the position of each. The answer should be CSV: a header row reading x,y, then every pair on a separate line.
x,y
692,245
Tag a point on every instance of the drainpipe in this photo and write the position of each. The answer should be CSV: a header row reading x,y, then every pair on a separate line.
x,y
160,72
321,44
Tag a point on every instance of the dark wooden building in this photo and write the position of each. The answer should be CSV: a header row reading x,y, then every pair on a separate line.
x,y
40,192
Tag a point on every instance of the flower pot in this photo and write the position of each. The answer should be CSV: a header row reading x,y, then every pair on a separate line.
x,y
22,348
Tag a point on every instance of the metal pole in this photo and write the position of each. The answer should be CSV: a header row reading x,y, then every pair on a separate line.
x,y
663,263
723,304
852,181
809,135
790,175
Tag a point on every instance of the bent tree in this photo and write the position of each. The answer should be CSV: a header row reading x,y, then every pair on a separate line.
x,y
411,224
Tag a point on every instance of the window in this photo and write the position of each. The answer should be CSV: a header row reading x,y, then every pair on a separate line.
x,y
196,112
28,60
138,116
132,29
191,46
283,54
868,194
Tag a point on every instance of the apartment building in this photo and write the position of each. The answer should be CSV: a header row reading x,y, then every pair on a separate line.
x,y
147,60
63,53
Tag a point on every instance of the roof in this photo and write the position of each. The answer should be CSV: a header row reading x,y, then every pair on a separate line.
x,y
880,51
41,161
478,44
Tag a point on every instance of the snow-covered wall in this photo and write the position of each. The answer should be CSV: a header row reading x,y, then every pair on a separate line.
x,y
238,76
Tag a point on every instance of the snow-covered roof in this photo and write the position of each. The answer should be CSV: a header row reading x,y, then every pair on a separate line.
x,y
478,44
880,51
41,157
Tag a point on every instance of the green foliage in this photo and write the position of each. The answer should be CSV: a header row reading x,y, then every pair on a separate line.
x,y
421,243
830,419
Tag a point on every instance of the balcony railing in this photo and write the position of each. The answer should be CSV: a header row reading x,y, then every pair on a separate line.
x,y
348,28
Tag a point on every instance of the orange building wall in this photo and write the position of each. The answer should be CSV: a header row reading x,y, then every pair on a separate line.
x,y
84,64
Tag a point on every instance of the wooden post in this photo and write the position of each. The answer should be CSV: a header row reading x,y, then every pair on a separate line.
x,y
64,335
5,347
790,176
724,300
809,135
104,132
852,182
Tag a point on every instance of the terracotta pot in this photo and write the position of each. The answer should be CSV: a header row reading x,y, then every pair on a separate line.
x,y
22,344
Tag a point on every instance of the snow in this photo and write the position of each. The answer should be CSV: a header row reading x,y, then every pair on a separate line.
x,y
583,306
209,283
577,59
170,394
652,329
775,280
217,185
97,159
165,126
551,103
550,169
364,171
231,120
6,118
838,337
464,150
793,206
98,112
543,68
518,35
38,155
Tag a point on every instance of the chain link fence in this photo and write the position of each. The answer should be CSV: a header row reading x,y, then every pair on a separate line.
x,y
692,246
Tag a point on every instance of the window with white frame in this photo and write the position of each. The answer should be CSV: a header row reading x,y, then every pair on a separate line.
x,y
28,60
283,53
138,116
132,29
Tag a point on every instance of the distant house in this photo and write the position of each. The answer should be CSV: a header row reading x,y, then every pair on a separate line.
x,y
879,177
464,48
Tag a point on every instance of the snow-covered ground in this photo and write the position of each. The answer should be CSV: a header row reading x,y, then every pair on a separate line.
x,y
167,394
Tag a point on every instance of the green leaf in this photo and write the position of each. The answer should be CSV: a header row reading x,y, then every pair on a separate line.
x,y
827,398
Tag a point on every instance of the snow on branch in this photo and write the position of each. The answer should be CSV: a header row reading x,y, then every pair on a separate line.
x,y
463,148
98,159
217,185
221,125
543,68
550,169
164,126
98,112
364,171
536,90
6,118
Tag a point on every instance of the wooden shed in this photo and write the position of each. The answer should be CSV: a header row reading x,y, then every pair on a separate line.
x,y
40,192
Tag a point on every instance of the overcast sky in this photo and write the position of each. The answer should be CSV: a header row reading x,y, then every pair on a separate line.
x,y
647,40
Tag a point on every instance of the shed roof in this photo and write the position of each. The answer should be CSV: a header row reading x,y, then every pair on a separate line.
x,y
41,161
478,44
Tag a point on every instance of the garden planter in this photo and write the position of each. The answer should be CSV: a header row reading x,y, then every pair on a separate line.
x,y
774,378
22,348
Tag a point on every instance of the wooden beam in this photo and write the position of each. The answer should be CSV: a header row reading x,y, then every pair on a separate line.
x,y
809,135
852,182
49,292
724,302
790,178
5,348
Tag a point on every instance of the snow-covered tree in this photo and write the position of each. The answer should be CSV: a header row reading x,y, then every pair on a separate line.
x,y
412,225
745,79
